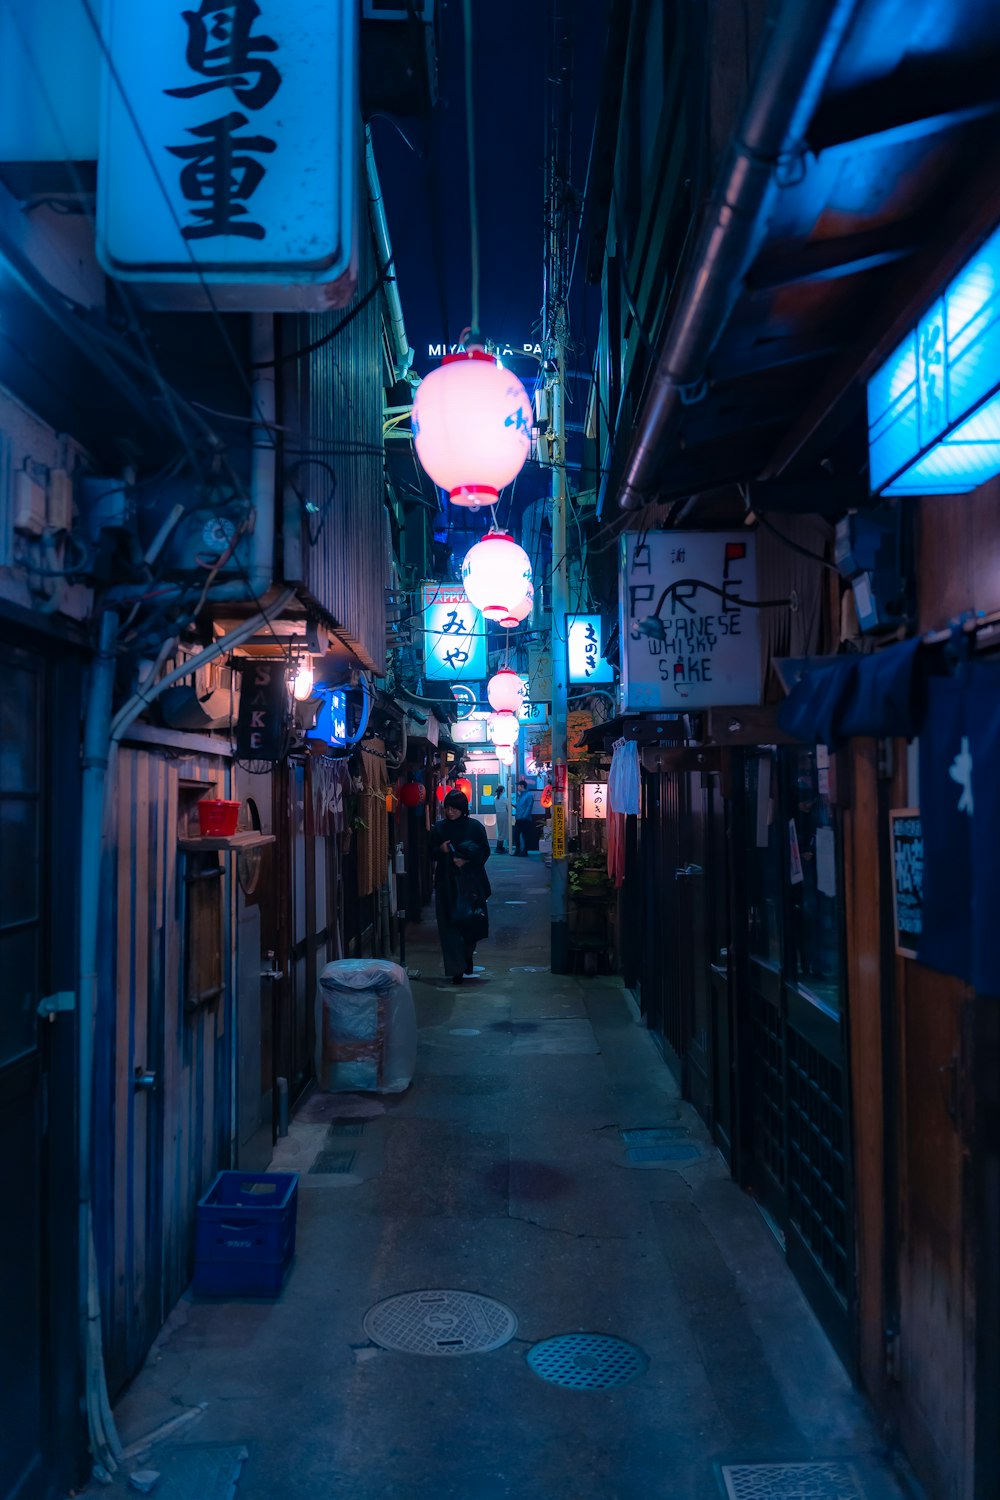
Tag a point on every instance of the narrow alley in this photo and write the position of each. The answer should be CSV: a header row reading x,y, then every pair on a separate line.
x,y
507,1171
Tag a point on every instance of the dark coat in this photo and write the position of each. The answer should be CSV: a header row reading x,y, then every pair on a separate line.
x,y
470,842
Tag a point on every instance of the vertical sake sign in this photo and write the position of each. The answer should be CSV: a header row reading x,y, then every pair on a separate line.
x,y
228,151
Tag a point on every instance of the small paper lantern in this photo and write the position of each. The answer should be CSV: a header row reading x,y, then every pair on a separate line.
x,y
519,612
547,796
439,794
412,794
496,574
471,426
463,784
505,689
504,728
505,755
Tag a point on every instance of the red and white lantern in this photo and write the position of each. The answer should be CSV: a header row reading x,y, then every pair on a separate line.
x,y
504,729
496,575
472,426
505,690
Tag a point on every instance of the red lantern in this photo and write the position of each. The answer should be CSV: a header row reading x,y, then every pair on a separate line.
x,y
463,784
412,794
440,793
547,796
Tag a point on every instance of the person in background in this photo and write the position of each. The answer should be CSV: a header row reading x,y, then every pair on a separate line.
x,y
501,804
523,821
459,849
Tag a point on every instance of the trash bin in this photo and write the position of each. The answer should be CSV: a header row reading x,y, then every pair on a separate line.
x,y
366,1027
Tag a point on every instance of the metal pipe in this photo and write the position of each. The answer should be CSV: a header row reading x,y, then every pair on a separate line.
x,y
263,463
380,226
794,65
104,1445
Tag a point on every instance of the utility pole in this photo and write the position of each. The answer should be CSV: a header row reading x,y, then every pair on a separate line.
x,y
557,276
559,962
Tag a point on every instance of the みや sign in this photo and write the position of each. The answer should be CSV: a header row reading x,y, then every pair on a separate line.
x,y
687,640
454,635
228,151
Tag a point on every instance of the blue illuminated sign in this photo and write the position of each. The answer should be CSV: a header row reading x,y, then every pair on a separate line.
x,y
454,635
934,406
331,721
586,664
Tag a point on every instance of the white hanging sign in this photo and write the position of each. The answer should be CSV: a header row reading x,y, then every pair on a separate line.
x,y
454,635
586,664
471,731
686,639
229,151
595,799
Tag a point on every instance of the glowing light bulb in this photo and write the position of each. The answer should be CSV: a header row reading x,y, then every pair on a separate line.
x,y
303,685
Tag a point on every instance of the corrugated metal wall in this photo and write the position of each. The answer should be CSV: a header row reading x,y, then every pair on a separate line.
x,y
156,1149
334,396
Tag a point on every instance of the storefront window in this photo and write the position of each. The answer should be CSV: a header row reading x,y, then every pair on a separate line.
x,y
813,864
764,857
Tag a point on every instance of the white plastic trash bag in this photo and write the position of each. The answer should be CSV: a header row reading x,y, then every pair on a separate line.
x,y
623,778
366,1027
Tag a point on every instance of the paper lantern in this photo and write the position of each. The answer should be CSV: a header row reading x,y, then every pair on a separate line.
x,y
439,794
505,755
412,794
504,728
505,689
547,796
471,426
463,784
519,612
496,574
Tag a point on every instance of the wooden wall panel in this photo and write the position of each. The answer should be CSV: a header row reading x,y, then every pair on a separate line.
x,y
161,1147
958,554
864,999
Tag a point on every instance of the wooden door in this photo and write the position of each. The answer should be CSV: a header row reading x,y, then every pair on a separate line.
x,y
39,801
691,879
719,965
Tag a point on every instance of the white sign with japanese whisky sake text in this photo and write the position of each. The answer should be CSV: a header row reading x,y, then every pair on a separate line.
x,y
454,635
687,640
229,151
595,799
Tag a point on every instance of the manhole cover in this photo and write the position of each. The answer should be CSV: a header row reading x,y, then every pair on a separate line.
x,y
587,1361
436,1322
791,1482
663,1152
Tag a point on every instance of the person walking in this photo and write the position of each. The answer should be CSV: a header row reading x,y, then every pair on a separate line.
x,y
459,849
523,820
501,804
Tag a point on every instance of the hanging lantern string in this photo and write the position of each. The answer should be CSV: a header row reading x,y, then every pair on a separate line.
x,y
470,139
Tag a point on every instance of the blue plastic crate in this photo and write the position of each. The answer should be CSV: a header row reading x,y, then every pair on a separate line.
x,y
245,1236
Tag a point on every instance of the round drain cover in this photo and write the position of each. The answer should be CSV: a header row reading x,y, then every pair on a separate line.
x,y
587,1361
434,1322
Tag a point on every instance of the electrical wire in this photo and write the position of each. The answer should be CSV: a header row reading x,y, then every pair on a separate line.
x,y
471,149
796,546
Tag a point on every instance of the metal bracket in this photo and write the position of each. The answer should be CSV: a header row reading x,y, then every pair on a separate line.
x,y
52,1005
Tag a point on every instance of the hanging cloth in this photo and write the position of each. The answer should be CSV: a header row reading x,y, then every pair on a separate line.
x,y
623,778
616,848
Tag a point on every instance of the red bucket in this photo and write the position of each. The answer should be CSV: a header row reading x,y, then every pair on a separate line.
x,y
217,818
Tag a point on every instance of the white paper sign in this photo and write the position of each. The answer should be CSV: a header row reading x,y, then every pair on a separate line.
x,y
826,861
595,799
686,641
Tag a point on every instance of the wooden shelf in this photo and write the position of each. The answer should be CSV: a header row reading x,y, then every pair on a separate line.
x,y
235,841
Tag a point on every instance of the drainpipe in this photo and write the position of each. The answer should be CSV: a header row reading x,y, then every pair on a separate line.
x,y
101,736
376,205
793,69
263,440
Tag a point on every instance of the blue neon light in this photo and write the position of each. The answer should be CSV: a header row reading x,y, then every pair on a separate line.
x,y
331,721
934,406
